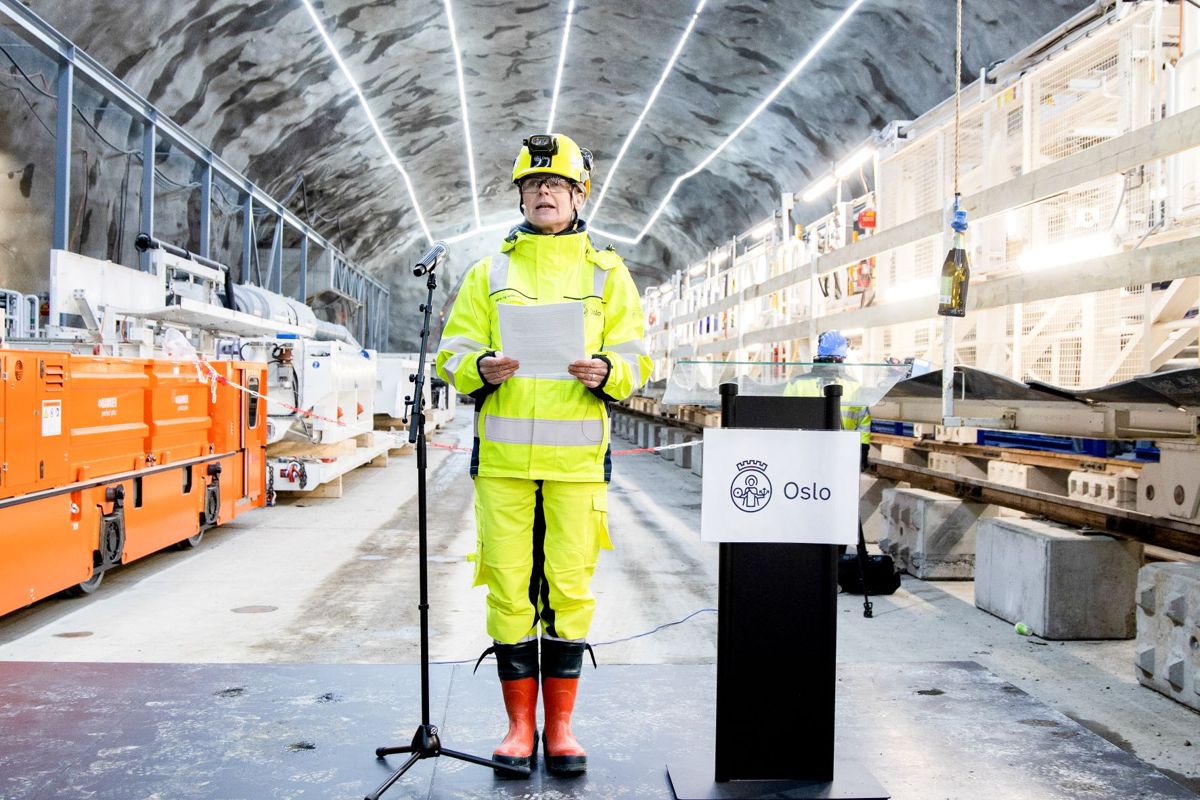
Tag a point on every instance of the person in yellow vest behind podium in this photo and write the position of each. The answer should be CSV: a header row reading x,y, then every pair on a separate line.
x,y
541,460
832,348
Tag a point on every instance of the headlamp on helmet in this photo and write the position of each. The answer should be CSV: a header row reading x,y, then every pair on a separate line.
x,y
542,144
554,154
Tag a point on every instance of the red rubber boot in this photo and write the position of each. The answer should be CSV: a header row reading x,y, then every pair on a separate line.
x,y
517,668
564,756
519,748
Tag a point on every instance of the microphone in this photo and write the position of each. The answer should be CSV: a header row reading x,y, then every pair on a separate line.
x,y
432,258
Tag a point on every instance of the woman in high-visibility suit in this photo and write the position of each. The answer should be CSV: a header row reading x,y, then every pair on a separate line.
x,y
541,458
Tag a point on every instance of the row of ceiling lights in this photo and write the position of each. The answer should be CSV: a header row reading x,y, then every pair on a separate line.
x,y
479,227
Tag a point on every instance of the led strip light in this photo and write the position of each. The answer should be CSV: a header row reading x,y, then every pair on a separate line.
x,y
562,60
312,12
499,226
480,228
462,99
796,70
646,110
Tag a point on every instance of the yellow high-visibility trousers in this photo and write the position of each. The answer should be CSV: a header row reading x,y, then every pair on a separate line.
x,y
538,542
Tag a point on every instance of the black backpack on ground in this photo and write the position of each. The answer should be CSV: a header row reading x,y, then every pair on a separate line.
x,y
878,573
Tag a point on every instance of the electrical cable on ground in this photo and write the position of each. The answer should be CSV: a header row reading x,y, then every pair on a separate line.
x,y
641,635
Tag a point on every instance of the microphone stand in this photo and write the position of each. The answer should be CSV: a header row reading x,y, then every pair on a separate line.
x,y
425,742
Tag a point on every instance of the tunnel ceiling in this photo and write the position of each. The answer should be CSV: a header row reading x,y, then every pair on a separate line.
x,y
255,81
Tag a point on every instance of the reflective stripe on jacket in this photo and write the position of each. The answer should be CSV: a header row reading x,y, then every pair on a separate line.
x,y
854,418
545,428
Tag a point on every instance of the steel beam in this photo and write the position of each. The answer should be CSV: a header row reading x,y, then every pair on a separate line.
x,y
62,152
1156,531
149,133
206,176
248,243
1158,140
76,63
302,290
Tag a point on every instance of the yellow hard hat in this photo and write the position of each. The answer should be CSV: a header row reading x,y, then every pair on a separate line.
x,y
554,154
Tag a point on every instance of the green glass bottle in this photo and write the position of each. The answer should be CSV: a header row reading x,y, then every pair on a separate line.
x,y
956,277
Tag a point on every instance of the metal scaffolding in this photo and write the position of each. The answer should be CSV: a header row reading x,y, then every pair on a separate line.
x,y
164,146
1081,173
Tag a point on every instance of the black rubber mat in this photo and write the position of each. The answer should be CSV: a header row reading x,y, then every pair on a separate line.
x,y
70,731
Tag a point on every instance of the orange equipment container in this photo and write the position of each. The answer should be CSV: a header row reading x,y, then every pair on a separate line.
x,y
104,460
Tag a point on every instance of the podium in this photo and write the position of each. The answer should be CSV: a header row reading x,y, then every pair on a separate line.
x,y
776,650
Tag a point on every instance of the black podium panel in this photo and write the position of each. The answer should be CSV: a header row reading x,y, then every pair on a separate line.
x,y
776,650
777,633
776,647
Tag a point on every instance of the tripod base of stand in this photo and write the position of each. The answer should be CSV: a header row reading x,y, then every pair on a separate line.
x,y
693,780
427,744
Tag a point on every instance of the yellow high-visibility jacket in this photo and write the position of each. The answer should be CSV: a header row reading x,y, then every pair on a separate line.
x,y
854,418
545,428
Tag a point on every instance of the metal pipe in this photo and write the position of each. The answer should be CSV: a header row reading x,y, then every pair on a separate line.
x,y
947,368
145,242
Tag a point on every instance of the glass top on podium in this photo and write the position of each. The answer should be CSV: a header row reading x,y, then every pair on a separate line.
x,y
697,383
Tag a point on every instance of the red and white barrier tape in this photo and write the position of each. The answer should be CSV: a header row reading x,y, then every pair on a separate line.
x,y
639,450
218,378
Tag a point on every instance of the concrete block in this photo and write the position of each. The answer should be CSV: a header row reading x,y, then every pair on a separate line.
x,y
658,434
1167,655
671,436
1115,491
870,505
902,455
687,454
697,460
959,435
1027,476
1059,582
957,465
647,433
930,535
1171,488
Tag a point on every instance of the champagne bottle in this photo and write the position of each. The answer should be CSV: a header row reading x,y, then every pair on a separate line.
x,y
956,276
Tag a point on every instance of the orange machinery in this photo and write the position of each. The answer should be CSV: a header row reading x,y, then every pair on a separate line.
x,y
105,460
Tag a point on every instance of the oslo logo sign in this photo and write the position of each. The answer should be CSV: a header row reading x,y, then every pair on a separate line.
x,y
810,496
751,488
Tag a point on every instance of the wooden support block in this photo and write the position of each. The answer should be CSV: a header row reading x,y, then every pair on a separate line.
x,y
380,460
331,488
405,449
288,449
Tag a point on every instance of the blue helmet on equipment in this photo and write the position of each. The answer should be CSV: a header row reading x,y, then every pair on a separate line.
x,y
831,345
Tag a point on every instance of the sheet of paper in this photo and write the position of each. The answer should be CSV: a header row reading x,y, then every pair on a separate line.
x,y
545,339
